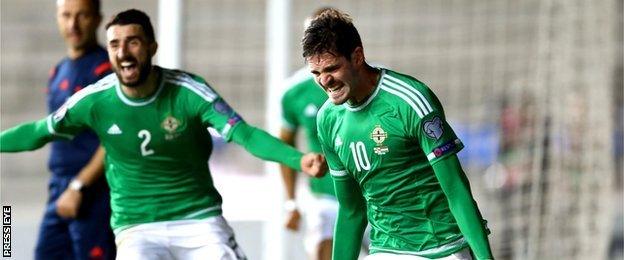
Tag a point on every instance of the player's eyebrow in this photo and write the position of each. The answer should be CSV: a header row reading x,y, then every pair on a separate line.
x,y
129,38
133,37
329,68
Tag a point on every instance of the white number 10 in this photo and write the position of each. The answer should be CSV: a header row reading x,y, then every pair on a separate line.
x,y
359,156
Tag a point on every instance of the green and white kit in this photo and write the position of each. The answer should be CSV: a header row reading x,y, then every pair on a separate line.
x,y
157,148
382,153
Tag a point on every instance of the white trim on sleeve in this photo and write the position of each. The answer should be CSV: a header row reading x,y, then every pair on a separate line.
x,y
53,132
338,173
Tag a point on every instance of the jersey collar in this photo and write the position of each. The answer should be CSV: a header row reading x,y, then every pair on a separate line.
x,y
370,98
142,101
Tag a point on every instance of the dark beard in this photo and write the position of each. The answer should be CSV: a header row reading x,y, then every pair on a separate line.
x,y
144,72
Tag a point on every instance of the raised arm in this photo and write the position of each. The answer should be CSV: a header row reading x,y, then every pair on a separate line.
x,y
457,190
25,137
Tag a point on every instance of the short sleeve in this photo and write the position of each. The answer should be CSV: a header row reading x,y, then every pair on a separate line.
x,y
336,168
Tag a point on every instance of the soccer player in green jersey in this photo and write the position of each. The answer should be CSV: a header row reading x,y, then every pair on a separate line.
x,y
153,125
391,153
299,106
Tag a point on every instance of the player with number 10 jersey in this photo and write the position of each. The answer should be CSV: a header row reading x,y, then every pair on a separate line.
x,y
408,126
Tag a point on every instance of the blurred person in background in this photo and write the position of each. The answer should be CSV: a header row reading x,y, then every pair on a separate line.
x,y
392,155
153,125
77,214
299,106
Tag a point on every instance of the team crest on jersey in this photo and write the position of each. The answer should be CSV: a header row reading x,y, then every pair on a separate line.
x,y
379,136
170,124
434,128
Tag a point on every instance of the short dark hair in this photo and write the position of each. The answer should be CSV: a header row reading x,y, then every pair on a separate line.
x,y
134,16
331,31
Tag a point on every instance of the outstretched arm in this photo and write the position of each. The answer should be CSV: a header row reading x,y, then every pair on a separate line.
x,y
68,203
457,189
25,137
351,220
266,147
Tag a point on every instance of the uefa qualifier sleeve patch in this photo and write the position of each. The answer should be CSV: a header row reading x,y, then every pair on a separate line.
x,y
232,117
434,128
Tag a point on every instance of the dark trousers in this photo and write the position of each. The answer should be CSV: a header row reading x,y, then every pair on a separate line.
x,y
88,236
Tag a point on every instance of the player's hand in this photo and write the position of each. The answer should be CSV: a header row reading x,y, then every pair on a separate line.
x,y
68,203
314,164
292,220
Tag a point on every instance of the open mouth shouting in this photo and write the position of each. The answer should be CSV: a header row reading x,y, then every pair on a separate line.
x,y
336,91
129,70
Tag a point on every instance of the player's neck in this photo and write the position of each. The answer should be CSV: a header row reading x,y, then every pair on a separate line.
x,y
144,90
369,79
75,53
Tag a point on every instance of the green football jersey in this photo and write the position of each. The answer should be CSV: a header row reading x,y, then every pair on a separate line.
x,y
387,145
300,104
157,148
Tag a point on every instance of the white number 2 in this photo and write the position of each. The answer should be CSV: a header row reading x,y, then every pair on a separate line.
x,y
359,156
147,137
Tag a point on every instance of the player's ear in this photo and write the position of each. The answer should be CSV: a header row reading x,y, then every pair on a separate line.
x,y
357,56
153,47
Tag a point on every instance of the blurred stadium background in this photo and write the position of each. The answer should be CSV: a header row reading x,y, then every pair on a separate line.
x,y
534,88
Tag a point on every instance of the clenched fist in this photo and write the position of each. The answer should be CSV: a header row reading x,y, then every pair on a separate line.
x,y
314,165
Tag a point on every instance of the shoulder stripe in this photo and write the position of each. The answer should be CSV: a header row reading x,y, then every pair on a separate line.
x,y
203,90
409,93
405,98
180,76
183,77
410,88
197,90
101,85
